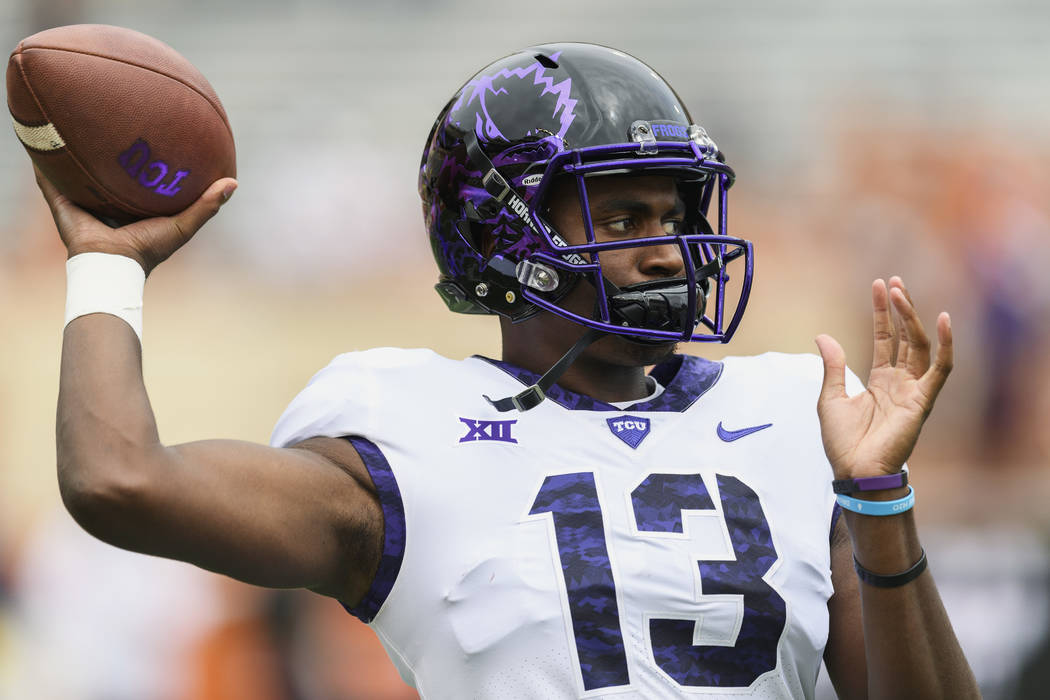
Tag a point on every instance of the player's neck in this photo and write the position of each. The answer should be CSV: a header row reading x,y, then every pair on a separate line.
x,y
592,374
606,382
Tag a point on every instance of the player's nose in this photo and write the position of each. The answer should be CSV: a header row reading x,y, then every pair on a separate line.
x,y
659,261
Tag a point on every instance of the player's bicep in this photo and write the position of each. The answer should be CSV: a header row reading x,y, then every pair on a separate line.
x,y
278,517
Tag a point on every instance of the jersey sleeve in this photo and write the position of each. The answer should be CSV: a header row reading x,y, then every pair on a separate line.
x,y
334,403
341,401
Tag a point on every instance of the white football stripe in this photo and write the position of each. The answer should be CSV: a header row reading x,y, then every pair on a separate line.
x,y
40,138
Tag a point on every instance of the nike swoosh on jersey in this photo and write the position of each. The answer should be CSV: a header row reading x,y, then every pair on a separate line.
x,y
730,435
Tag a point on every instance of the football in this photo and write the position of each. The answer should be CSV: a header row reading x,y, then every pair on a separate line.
x,y
118,121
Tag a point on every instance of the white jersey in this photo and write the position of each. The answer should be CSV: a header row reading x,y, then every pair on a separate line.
x,y
675,548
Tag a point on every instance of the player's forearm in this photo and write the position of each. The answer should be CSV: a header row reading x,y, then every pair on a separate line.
x,y
106,433
911,649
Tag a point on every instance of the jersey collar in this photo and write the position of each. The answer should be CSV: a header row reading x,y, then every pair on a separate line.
x,y
685,379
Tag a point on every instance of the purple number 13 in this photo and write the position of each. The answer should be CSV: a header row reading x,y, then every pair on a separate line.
x,y
658,502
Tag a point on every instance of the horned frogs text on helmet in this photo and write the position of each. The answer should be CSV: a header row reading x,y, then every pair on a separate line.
x,y
573,110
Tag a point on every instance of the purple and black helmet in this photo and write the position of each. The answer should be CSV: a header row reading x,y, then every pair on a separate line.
x,y
574,111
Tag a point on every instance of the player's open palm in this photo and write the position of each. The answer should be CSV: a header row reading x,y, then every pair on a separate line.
x,y
875,431
149,241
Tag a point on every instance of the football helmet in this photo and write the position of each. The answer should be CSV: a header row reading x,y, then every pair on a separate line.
x,y
572,110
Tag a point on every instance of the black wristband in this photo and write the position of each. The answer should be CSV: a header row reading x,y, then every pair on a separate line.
x,y
879,581
871,483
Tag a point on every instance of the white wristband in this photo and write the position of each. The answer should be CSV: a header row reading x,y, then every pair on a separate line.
x,y
107,284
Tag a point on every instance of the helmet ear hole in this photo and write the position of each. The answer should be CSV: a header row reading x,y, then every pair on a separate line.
x,y
483,238
485,241
477,235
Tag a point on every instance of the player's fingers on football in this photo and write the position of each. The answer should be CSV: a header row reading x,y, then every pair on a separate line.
x,y
918,358
885,338
943,362
67,215
834,358
44,184
207,205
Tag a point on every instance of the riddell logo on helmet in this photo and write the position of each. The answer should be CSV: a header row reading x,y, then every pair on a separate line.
x,y
137,162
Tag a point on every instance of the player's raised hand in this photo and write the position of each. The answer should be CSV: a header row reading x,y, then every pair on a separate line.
x,y
149,241
874,432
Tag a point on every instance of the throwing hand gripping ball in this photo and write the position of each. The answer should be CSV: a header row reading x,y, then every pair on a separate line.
x,y
118,121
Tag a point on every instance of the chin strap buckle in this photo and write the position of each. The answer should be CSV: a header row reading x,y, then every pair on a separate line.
x,y
530,398
535,394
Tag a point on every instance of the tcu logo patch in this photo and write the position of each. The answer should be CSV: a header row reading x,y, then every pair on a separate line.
x,y
630,429
492,430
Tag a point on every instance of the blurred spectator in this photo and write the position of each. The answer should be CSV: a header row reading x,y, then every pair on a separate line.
x,y
1034,677
245,655
8,651
94,622
91,622
1006,231
962,221
290,645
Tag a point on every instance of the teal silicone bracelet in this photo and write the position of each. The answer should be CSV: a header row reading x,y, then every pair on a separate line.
x,y
878,507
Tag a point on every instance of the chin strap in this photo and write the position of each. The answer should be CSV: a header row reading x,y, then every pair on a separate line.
x,y
535,394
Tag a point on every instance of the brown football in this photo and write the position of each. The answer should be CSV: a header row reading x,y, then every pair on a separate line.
x,y
120,122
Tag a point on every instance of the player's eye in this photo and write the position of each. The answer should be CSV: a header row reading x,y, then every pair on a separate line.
x,y
619,227
673,227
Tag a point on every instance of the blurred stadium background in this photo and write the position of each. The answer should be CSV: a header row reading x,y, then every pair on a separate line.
x,y
870,139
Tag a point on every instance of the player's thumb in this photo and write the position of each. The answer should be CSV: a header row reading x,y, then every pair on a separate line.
x,y
207,205
834,358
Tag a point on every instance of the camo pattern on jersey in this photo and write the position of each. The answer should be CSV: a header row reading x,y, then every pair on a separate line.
x,y
755,651
393,529
572,500
660,499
